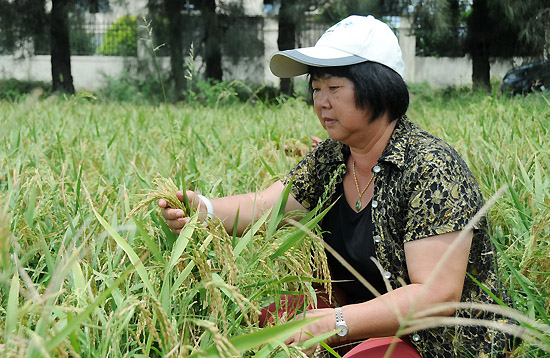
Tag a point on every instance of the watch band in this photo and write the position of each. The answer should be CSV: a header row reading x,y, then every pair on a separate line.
x,y
341,325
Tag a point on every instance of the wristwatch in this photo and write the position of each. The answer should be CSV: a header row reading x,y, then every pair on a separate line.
x,y
341,325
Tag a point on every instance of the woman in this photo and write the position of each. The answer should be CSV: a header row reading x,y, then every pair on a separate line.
x,y
402,196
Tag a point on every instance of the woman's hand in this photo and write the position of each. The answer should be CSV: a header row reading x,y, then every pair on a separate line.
x,y
176,218
323,325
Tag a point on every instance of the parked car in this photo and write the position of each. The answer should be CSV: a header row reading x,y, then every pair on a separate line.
x,y
527,78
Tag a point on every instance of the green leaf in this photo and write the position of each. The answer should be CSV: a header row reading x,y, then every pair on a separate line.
x,y
13,302
521,280
251,340
29,212
78,320
245,240
142,272
78,277
177,250
277,212
268,168
183,275
295,236
317,339
181,242
148,241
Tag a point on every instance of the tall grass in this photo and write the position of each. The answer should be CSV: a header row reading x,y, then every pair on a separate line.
x,y
505,142
77,279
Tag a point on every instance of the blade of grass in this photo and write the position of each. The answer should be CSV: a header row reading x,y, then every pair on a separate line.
x,y
268,168
246,342
12,308
78,277
245,240
147,240
31,206
526,289
177,251
295,236
77,190
78,320
134,258
277,212
187,270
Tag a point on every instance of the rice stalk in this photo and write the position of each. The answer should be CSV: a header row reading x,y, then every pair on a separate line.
x,y
167,332
224,347
165,189
242,302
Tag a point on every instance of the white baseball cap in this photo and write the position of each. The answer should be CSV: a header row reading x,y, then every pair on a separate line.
x,y
353,40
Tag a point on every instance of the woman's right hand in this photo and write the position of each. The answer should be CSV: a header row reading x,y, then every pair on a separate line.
x,y
176,218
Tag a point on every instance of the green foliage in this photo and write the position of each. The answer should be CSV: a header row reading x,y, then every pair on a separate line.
x,y
99,284
77,278
19,21
82,42
130,88
121,38
134,89
503,141
440,28
13,89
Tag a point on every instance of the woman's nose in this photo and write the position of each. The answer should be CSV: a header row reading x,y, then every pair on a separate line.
x,y
321,99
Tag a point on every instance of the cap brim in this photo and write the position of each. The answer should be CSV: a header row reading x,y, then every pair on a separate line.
x,y
290,63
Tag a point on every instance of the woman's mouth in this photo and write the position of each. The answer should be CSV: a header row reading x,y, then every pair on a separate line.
x,y
329,122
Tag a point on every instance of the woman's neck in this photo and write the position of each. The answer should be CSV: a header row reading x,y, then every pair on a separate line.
x,y
367,156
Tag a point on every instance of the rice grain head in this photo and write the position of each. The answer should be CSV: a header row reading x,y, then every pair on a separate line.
x,y
165,189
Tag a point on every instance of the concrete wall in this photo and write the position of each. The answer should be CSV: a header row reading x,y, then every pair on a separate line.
x,y
89,71
446,71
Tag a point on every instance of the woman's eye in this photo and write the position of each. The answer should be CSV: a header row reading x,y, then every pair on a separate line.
x,y
334,88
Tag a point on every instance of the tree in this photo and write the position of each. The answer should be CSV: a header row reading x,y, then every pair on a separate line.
x,y
19,22
174,8
505,28
291,13
479,33
493,28
438,27
60,47
286,40
212,36
532,20
177,23
23,20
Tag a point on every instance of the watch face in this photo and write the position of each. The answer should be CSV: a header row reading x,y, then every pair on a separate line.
x,y
342,330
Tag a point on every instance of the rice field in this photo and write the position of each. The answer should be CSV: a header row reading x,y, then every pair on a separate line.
x,y
80,276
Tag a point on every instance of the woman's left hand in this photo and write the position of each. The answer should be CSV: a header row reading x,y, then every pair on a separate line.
x,y
322,325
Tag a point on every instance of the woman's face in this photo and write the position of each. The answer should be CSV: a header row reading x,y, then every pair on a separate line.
x,y
334,102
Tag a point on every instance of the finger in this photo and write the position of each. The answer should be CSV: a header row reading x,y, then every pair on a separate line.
x,y
179,194
172,214
177,224
162,203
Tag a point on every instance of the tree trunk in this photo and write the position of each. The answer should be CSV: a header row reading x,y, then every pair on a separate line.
x,y
60,47
479,33
212,39
173,9
286,39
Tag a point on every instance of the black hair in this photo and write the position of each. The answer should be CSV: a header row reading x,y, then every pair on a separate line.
x,y
378,88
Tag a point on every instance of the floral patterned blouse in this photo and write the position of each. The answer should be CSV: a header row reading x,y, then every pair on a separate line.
x,y
422,188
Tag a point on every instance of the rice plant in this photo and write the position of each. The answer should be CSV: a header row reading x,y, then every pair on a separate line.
x,y
88,267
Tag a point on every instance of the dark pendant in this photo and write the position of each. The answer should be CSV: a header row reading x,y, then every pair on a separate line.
x,y
358,205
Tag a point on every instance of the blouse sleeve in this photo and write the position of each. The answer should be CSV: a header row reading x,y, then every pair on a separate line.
x,y
313,177
444,197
